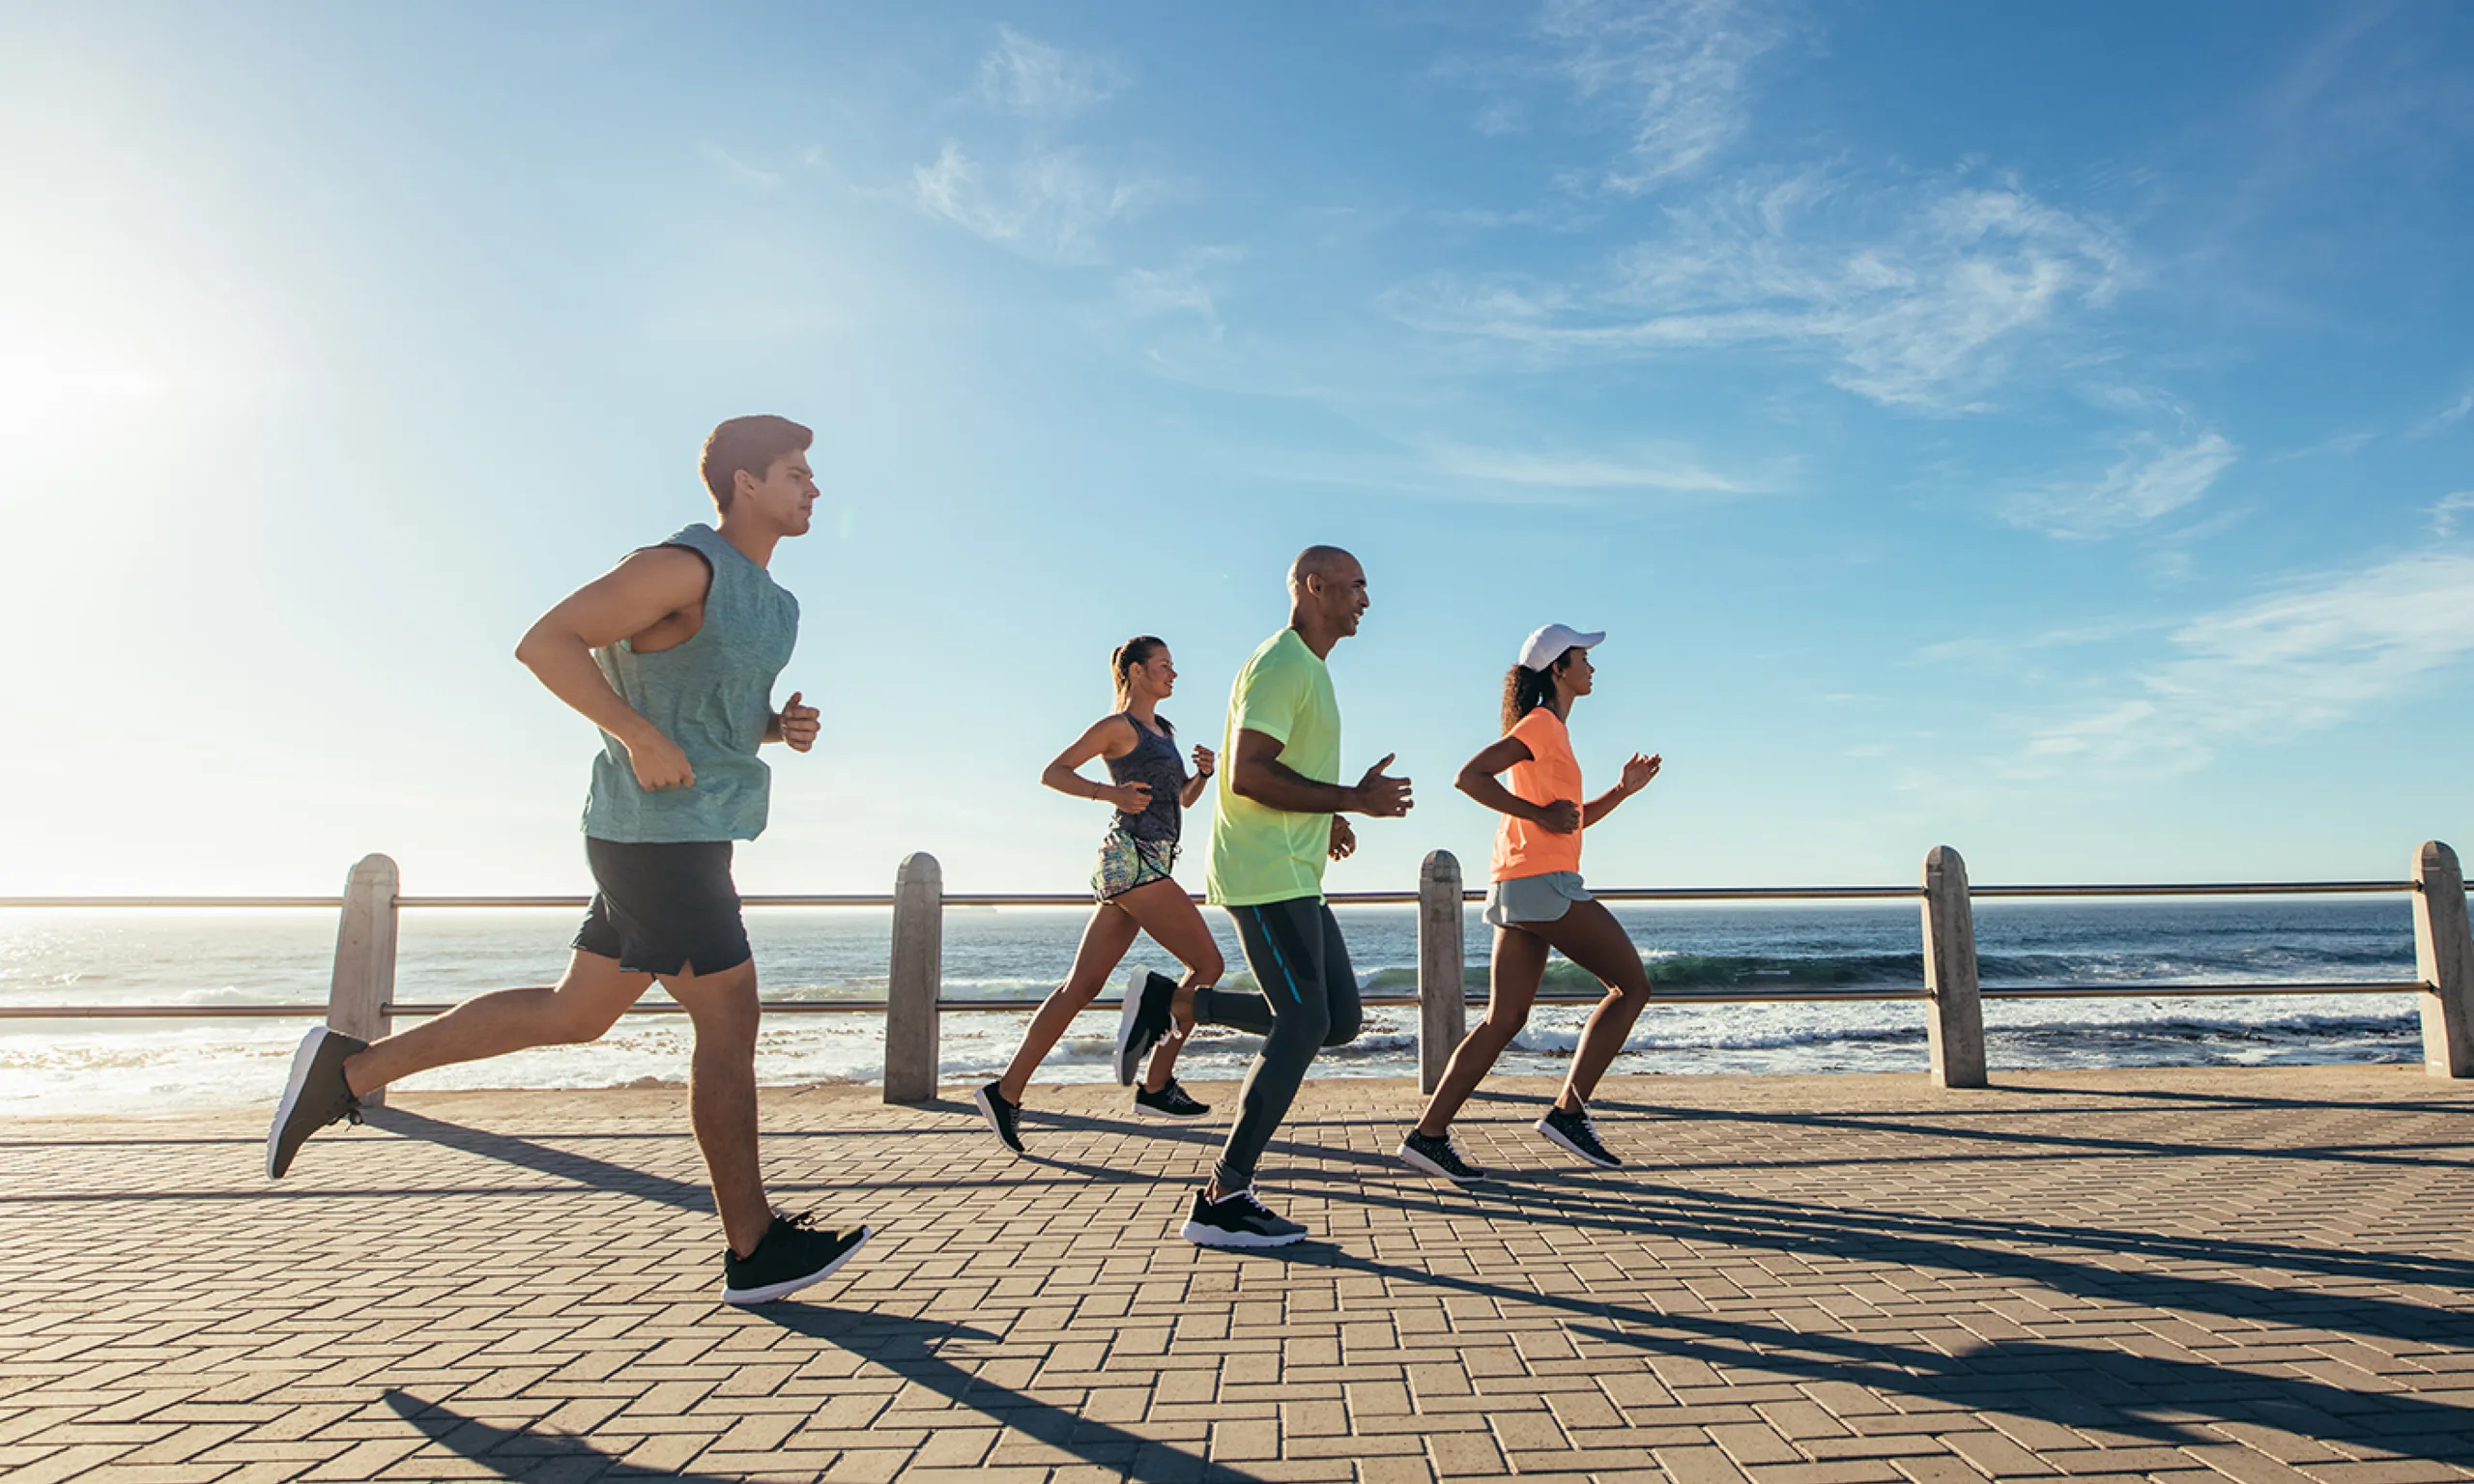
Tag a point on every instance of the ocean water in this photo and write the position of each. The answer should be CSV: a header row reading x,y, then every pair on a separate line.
x,y
106,956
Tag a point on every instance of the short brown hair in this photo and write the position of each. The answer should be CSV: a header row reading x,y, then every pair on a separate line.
x,y
751,443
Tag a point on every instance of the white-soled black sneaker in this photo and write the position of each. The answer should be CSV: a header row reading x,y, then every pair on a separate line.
x,y
1144,1019
792,1255
1004,1119
1576,1133
1436,1155
314,1096
1172,1102
1238,1220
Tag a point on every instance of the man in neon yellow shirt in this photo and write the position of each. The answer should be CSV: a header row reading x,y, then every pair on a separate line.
x,y
1278,822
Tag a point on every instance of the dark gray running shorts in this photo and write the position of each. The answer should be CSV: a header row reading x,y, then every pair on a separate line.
x,y
664,909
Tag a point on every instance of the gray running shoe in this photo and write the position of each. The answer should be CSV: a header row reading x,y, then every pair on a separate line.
x,y
315,1096
1576,1133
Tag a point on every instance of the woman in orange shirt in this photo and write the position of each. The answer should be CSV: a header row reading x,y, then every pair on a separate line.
x,y
1537,902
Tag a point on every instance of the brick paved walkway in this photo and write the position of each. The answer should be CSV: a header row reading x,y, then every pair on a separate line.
x,y
2262,1276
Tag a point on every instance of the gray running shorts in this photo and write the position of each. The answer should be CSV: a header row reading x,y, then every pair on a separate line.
x,y
1534,898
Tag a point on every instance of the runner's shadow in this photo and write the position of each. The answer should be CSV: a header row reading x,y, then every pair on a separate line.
x,y
1977,1247
582,1169
1926,1124
513,1452
2143,1396
910,1349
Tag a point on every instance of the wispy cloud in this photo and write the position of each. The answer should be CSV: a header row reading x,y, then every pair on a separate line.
x,y
1049,200
2306,657
2337,445
1582,472
1675,70
741,170
1187,286
2008,653
1049,204
2153,480
2445,419
1925,311
2444,514
1037,80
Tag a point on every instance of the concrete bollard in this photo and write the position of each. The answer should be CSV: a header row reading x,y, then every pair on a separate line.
x,y
2444,961
1956,1029
1442,989
364,982
916,981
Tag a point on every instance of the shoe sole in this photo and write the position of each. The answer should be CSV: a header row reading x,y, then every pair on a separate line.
x,y
294,1083
988,1111
772,1291
1126,1052
1418,1162
1202,1236
1556,1137
1164,1116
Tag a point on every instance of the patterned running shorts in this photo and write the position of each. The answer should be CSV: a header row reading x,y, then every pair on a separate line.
x,y
1125,863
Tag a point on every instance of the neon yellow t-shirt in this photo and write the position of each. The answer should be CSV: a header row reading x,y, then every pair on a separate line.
x,y
1260,854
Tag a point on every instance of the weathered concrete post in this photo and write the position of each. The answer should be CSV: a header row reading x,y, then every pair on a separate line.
x,y
1957,1025
2444,961
1442,989
364,982
917,979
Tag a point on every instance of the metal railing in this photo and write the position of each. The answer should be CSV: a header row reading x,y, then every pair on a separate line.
x,y
361,995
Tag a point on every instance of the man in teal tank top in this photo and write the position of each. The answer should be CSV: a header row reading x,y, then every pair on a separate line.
x,y
673,654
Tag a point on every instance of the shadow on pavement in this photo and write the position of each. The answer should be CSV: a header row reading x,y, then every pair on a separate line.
x,y
2140,1396
543,1160
909,1349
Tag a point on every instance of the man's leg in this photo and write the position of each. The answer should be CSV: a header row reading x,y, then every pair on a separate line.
x,y
1284,945
721,1097
586,1001
1347,1014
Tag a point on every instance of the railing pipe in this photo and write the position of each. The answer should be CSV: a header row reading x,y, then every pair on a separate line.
x,y
364,981
1443,985
2444,957
916,981
1956,1027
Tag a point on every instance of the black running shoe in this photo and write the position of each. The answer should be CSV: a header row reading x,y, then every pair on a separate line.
x,y
1144,1019
1575,1133
1436,1155
792,1256
315,1096
1238,1220
1172,1102
1004,1119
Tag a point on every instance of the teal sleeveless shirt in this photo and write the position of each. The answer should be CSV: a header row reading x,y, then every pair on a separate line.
x,y
713,696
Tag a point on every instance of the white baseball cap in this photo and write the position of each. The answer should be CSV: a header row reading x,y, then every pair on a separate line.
x,y
1547,645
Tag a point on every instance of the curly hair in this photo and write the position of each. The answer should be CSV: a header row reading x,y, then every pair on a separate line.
x,y
1525,689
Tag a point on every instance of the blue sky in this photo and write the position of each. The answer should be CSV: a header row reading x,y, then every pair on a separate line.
x,y
2049,433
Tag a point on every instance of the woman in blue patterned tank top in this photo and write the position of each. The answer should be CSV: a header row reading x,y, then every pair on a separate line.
x,y
1151,789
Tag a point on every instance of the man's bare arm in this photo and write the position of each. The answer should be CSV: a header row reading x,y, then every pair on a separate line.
x,y
630,598
1259,774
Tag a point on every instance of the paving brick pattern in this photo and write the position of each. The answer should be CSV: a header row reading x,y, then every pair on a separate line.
x,y
2262,1277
